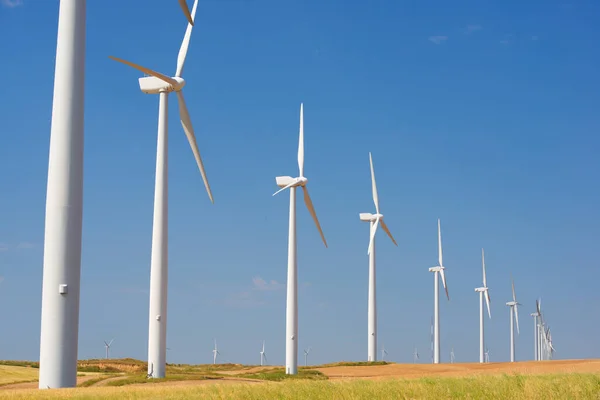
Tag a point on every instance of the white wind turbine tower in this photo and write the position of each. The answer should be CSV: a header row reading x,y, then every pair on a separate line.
x,y
263,356
487,355
107,347
483,291
375,220
438,270
452,356
64,203
535,316
306,351
415,355
162,85
287,182
215,353
59,333
514,317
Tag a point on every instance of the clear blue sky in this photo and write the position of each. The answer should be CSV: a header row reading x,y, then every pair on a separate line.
x,y
479,113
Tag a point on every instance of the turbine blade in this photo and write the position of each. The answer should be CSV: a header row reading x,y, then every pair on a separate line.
x,y
440,244
372,238
189,132
444,282
487,301
513,288
385,228
483,265
374,185
311,209
517,317
301,142
146,70
186,11
185,44
286,187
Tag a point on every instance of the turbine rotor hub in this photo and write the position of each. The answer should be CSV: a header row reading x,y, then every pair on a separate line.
x,y
301,181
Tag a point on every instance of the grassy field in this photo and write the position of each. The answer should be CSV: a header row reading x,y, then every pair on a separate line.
x,y
12,374
125,379
546,387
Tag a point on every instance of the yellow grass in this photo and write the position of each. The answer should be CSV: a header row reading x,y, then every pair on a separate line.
x,y
542,387
12,374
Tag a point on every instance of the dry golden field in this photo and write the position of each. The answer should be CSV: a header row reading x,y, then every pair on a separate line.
x,y
560,379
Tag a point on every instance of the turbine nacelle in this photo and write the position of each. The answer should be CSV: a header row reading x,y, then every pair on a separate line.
x,y
512,303
481,289
436,269
368,217
154,85
286,182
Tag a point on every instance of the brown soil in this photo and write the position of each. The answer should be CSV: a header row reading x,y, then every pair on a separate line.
x,y
461,369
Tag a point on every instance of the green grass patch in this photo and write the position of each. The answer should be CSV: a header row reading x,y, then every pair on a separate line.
x,y
30,364
353,364
278,375
137,379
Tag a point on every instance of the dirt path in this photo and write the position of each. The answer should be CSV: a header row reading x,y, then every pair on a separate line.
x,y
34,385
224,381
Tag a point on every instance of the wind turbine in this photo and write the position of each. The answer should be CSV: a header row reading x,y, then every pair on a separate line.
x,y
383,352
306,356
539,330
215,353
291,312
375,220
107,347
551,349
487,355
535,316
59,333
483,290
415,355
160,84
514,317
263,356
438,270
452,356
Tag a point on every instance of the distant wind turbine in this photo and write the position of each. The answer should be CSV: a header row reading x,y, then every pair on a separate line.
x,y
383,352
415,355
438,271
215,353
487,355
306,356
452,356
291,311
514,317
107,347
375,220
535,316
263,356
483,292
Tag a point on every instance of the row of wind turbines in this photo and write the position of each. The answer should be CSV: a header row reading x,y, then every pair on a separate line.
x,y
64,210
